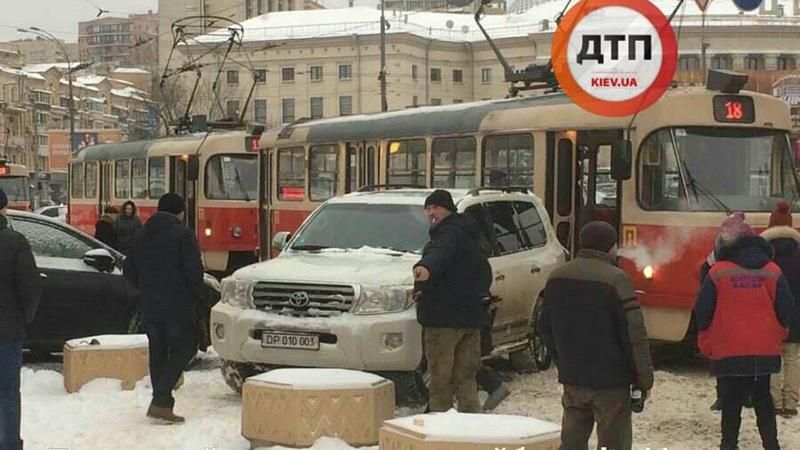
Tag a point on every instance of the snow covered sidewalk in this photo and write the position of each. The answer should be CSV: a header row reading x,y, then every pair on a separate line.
x,y
102,416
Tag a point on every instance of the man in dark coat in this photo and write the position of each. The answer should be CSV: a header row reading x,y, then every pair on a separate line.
x,y
126,226
450,309
20,287
742,311
166,266
594,326
785,241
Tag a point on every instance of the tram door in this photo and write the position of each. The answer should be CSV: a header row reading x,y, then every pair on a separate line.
x,y
181,185
362,164
599,191
106,184
561,185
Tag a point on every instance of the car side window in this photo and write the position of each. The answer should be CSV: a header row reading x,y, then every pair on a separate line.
x,y
47,240
530,222
483,221
505,228
50,212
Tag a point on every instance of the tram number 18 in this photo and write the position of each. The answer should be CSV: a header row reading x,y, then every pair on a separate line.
x,y
734,108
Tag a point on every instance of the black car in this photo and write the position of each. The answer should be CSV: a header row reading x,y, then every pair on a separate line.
x,y
85,293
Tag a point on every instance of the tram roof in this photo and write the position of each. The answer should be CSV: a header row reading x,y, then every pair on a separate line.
x,y
125,150
420,121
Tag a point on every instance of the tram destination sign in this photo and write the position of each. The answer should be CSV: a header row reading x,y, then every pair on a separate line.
x,y
734,109
614,57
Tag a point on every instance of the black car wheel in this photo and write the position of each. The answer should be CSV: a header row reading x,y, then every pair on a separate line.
x,y
540,353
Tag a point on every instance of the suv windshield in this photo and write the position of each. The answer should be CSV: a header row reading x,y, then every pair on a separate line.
x,y
351,226
716,169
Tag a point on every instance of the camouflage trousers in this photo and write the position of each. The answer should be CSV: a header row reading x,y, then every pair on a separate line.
x,y
453,357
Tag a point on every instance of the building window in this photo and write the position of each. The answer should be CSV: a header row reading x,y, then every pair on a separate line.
x,y
414,101
287,109
345,71
260,76
436,75
316,73
291,174
486,75
233,77
414,72
345,105
786,63
754,62
287,74
316,107
323,166
436,101
458,76
260,111
457,101
722,62
232,109
688,63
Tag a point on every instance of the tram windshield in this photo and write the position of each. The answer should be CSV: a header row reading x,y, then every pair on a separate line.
x,y
16,188
232,177
352,226
716,169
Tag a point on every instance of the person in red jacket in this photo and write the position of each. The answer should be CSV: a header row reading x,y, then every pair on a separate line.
x,y
742,312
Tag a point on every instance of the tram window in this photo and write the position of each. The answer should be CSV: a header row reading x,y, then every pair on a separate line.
x,y
138,178
407,162
454,162
530,222
291,174
351,177
506,231
77,180
508,160
91,180
232,177
322,171
157,178
122,179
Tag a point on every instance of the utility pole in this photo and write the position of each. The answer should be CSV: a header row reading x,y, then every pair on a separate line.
x,y
382,76
703,46
35,144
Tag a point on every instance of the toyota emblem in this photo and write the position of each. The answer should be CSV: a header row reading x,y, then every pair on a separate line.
x,y
299,299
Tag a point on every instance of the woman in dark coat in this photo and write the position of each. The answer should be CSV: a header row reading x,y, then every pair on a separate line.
x,y
104,231
785,241
127,224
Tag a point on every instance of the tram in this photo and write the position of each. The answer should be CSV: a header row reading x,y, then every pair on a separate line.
x,y
217,175
665,178
15,182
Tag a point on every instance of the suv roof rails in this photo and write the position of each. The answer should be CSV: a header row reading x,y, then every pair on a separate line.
x,y
509,189
375,187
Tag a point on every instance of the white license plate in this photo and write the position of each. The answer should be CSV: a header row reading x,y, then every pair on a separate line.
x,y
271,339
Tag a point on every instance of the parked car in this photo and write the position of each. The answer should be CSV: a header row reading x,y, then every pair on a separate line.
x,y
58,212
85,292
340,292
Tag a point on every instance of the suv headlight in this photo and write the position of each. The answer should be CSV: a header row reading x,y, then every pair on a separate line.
x,y
237,292
381,300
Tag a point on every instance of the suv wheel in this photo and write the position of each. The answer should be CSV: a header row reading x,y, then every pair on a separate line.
x,y
410,388
235,373
535,354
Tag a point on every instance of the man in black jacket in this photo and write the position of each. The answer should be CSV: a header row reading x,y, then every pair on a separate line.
x,y
450,309
594,325
165,264
20,287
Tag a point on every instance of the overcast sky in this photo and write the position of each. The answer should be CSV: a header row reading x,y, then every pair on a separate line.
x,y
61,17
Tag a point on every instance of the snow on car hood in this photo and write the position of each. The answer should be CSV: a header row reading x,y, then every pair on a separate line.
x,y
365,266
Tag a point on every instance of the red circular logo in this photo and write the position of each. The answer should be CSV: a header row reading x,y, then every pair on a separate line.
x,y
614,57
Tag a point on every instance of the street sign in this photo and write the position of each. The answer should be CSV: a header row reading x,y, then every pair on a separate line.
x,y
702,4
748,5
614,57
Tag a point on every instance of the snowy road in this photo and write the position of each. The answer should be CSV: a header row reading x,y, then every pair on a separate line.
x,y
102,416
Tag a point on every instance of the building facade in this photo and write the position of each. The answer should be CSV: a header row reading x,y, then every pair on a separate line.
x,y
128,41
40,50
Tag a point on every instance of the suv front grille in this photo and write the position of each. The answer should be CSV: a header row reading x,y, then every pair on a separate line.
x,y
304,300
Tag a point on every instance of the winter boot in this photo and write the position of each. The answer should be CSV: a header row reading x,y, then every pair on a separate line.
x,y
163,415
788,413
716,406
496,397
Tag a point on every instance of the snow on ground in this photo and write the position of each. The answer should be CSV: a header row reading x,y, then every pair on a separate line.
x,y
101,416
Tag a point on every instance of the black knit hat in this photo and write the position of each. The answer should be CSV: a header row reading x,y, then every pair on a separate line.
x,y
598,236
441,198
3,199
171,203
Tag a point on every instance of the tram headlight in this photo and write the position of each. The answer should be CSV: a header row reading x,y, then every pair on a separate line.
x,y
208,232
384,299
648,272
237,232
237,292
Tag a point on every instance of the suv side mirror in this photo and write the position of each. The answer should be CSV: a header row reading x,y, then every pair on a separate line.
x,y
101,259
621,160
280,240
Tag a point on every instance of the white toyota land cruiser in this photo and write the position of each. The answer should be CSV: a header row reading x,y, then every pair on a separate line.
x,y
340,293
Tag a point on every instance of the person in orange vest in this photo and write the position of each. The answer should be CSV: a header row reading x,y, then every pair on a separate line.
x,y
742,312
